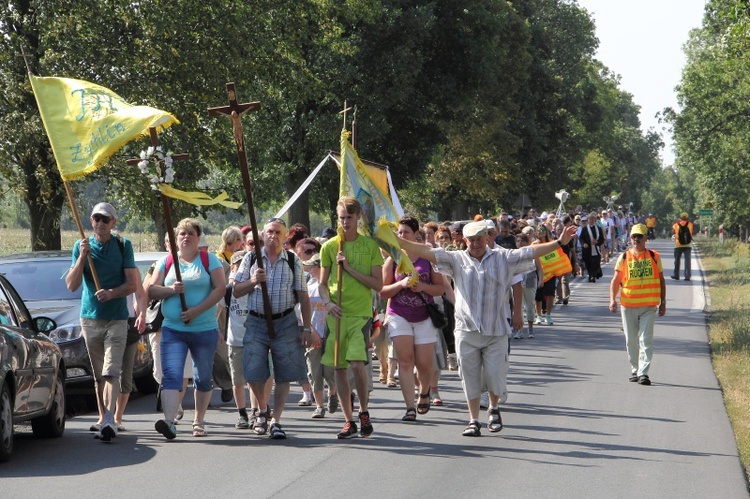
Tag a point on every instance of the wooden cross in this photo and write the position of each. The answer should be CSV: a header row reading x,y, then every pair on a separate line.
x,y
167,213
25,58
234,112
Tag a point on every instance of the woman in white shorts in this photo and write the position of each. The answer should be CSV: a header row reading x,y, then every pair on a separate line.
x,y
409,325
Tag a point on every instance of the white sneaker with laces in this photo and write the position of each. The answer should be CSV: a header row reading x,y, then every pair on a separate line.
x,y
484,401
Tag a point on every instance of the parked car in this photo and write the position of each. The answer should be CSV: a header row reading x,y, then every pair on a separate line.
x,y
39,278
32,372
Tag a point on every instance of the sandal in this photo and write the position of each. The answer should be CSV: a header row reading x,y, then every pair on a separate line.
x,y
424,407
199,429
391,383
473,430
437,401
495,421
260,427
411,415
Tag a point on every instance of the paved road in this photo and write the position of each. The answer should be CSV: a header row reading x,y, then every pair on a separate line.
x,y
575,427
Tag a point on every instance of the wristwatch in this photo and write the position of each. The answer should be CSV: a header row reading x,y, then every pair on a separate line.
x,y
559,242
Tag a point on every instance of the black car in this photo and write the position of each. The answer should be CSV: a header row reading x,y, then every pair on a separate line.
x,y
32,372
39,278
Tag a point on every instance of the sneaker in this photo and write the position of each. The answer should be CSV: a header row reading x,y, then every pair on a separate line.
x,y
484,401
548,320
319,413
565,301
276,432
333,404
644,380
364,422
107,433
633,377
348,431
243,423
305,401
676,278
518,335
538,320
558,301
531,332
166,428
495,421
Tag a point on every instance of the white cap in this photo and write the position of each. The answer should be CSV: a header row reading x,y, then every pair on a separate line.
x,y
490,224
473,229
105,209
202,243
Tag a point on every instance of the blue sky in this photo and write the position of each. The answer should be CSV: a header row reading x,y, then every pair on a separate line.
x,y
641,40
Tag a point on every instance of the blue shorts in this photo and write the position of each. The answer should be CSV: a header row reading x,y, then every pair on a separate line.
x,y
286,351
174,348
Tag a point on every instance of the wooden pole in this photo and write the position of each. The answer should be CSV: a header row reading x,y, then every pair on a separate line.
x,y
234,112
77,218
168,214
339,283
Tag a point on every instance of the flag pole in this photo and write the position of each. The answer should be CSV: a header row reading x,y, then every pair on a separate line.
x,y
77,218
339,283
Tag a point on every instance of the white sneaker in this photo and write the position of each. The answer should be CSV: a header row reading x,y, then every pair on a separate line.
x,y
538,320
531,333
518,335
549,320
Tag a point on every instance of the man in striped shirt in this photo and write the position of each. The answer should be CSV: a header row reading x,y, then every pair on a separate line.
x,y
284,279
482,278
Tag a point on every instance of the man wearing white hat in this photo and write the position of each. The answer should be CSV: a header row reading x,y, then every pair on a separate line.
x,y
482,278
104,312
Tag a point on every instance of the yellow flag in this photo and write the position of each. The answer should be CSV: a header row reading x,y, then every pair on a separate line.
x,y
87,123
370,186
198,198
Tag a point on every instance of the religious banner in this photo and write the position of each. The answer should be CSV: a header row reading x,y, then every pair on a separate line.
x,y
555,264
369,184
87,123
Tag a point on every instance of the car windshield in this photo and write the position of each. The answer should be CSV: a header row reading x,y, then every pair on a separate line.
x,y
39,280
43,280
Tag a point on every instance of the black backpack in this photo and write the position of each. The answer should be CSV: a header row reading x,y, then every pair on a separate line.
x,y
683,234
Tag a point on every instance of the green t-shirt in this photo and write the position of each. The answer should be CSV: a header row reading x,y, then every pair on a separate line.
x,y
363,254
110,260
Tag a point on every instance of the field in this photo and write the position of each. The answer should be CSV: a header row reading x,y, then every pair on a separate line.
x,y
19,241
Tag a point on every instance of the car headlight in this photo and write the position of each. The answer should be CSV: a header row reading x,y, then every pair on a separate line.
x,y
66,333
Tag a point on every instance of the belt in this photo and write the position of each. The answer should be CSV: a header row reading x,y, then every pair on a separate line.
x,y
274,316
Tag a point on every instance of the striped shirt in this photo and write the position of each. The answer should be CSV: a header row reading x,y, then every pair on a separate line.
x,y
483,287
281,283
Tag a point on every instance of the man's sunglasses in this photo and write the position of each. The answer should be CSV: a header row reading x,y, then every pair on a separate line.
x,y
101,218
636,236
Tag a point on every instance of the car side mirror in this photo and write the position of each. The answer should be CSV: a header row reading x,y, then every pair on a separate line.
x,y
44,324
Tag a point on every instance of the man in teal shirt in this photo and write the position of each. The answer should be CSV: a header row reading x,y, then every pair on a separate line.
x,y
104,308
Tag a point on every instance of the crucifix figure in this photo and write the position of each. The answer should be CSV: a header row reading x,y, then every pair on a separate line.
x,y
167,212
234,112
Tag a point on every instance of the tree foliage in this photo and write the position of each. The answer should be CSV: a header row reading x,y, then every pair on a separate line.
x,y
471,102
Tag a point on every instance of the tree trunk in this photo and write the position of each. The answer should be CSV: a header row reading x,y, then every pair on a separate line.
x,y
45,200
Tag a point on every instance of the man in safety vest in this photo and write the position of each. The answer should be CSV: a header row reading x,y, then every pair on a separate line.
x,y
639,272
651,226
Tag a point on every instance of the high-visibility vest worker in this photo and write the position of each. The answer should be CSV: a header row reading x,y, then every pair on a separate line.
x,y
651,222
639,277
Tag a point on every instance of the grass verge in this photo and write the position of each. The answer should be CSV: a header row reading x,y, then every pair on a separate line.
x,y
728,275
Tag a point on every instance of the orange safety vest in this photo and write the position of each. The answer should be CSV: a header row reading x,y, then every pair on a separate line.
x,y
641,284
650,222
555,264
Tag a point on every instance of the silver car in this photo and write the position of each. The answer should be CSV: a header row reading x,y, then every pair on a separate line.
x,y
39,278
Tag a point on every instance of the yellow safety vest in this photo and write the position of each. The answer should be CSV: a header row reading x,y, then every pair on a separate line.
x,y
639,277
650,222
555,264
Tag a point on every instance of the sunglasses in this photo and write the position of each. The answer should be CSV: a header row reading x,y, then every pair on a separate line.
x,y
276,220
636,236
101,218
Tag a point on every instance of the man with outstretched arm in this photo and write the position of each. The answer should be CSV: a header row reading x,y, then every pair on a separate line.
x,y
482,280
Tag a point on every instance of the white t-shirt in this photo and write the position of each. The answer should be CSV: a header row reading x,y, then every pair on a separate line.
x,y
318,319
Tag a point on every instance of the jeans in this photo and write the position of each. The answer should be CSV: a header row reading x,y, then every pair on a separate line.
x,y
174,349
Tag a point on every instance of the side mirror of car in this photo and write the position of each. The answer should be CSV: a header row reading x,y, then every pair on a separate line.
x,y
44,324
